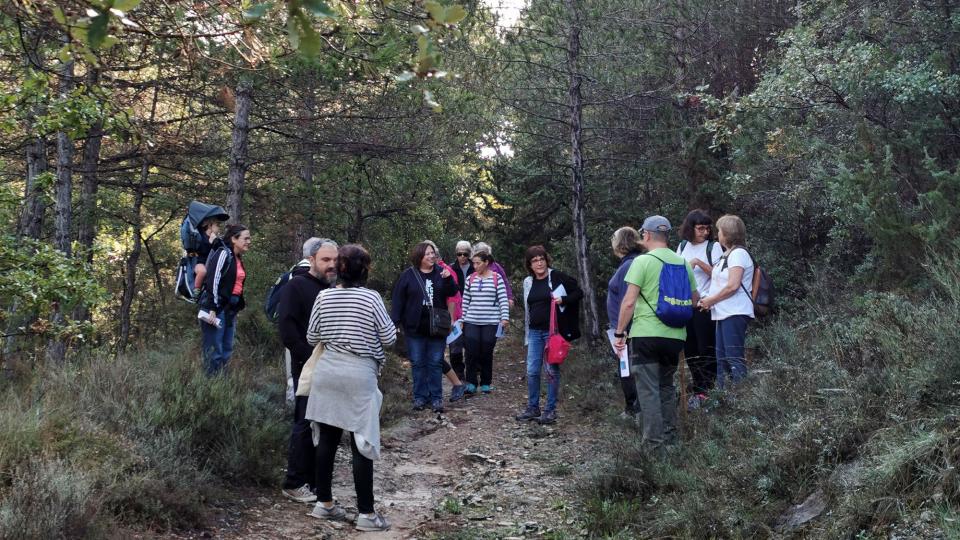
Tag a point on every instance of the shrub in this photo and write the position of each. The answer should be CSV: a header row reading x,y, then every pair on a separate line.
x,y
48,499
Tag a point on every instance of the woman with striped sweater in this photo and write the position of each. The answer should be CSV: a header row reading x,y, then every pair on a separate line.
x,y
486,310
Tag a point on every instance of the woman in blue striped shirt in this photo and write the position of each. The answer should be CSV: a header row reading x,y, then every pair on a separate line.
x,y
486,309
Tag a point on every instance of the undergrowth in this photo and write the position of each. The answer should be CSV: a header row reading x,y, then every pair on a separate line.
x,y
854,395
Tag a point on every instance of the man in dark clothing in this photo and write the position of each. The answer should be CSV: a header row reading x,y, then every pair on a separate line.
x,y
463,267
296,304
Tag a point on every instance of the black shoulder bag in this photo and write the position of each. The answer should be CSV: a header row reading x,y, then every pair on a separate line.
x,y
439,318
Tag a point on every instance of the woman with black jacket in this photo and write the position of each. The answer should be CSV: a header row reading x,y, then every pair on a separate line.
x,y
422,285
222,297
539,289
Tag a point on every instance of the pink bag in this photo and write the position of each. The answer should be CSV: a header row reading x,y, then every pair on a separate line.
x,y
557,348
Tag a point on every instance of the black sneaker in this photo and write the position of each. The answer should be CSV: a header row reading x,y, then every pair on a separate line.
x,y
548,417
530,413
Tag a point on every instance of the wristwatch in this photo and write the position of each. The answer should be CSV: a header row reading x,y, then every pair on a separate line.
x,y
620,335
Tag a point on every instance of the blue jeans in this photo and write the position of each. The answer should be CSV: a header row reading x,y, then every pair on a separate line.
x,y
218,342
426,355
731,335
537,340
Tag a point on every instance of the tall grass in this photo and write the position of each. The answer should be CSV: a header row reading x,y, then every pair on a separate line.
x,y
139,440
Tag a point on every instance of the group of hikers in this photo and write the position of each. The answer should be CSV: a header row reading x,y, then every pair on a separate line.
x,y
697,299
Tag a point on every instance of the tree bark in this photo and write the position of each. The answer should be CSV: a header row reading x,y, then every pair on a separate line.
x,y
581,241
130,271
87,222
31,218
238,151
57,348
305,227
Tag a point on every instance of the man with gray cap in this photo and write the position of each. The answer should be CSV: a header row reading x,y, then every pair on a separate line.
x,y
657,333
296,304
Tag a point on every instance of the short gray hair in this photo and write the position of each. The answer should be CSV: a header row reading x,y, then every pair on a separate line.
x,y
463,244
481,247
313,245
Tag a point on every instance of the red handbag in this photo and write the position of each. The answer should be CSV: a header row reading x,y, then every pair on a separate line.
x,y
557,348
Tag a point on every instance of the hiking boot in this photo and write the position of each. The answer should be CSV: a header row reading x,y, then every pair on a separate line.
x,y
419,405
486,389
548,417
376,523
456,393
437,406
530,413
301,494
336,513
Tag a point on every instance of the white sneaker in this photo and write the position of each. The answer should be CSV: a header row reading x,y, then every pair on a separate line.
x,y
334,513
300,494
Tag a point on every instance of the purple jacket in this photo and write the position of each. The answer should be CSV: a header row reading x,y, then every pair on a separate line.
x,y
503,274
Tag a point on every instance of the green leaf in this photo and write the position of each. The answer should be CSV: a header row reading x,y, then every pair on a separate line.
x,y
64,54
319,8
109,41
97,31
309,38
125,5
256,11
454,14
435,10
59,16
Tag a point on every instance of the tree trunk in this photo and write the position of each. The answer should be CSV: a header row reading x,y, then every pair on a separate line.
x,y
581,242
305,226
130,276
57,349
31,219
238,151
87,222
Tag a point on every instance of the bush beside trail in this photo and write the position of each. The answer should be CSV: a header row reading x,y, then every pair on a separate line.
x,y
855,397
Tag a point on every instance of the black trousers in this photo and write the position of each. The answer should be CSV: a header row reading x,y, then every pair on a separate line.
x,y
301,462
479,341
700,352
456,358
362,469
629,386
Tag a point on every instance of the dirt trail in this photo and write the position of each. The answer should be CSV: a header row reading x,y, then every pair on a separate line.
x,y
471,472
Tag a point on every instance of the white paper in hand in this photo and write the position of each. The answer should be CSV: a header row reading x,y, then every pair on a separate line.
x,y
204,316
559,293
621,356
456,330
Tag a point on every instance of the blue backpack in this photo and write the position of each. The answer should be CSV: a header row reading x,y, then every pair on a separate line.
x,y
675,302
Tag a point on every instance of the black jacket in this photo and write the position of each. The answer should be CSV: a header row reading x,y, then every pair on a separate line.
x,y
406,302
461,276
568,320
221,276
296,305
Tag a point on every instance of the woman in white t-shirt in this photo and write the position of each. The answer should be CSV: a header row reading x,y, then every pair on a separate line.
x,y
702,253
729,300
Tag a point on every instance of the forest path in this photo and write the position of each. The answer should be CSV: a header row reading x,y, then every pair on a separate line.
x,y
471,472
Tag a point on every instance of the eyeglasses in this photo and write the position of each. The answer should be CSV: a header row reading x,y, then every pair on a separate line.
x,y
702,227
463,254
537,259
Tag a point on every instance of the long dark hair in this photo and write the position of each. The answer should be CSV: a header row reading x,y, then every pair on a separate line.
x,y
232,233
694,218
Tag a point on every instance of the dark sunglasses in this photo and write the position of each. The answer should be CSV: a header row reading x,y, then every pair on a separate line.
x,y
464,254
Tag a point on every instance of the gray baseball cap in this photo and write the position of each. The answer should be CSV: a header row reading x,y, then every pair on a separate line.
x,y
656,223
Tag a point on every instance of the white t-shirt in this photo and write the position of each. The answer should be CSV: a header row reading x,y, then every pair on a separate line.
x,y
699,251
740,303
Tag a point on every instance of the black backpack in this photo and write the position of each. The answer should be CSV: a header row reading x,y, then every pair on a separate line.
x,y
710,244
271,307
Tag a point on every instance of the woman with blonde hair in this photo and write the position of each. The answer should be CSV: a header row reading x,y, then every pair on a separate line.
x,y
730,301
626,246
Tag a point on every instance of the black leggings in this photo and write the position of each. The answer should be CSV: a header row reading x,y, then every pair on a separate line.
x,y
480,339
362,469
700,353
